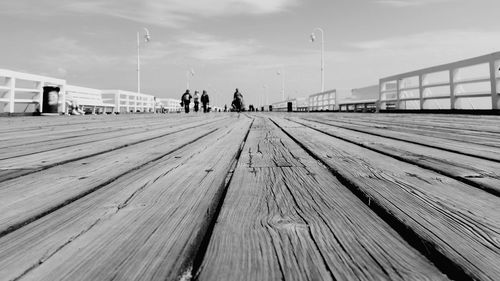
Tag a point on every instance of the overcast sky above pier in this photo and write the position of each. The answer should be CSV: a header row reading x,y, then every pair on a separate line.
x,y
241,43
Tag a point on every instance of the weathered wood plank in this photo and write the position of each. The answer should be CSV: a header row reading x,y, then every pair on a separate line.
x,y
28,247
156,235
470,149
47,133
472,123
56,141
479,172
462,135
459,221
47,159
286,217
52,126
26,198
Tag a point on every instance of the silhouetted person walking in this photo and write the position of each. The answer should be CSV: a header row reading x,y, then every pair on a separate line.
x,y
196,99
205,101
186,100
237,103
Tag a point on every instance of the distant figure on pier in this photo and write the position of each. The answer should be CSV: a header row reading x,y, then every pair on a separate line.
x,y
186,100
205,100
225,108
196,99
237,103
74,108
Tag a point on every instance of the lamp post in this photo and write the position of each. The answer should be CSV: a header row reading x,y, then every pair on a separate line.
x,y
147,38
313,38
282,74
189,73
266,95
212,94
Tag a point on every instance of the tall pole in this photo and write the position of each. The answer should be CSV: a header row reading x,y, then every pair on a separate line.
x,y
266,94
282,73
189,73
283,85
147,38
138,63
322,55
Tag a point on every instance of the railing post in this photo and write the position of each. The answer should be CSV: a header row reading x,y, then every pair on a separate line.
x,y
118,103
12,93
452,73
40,95
398,92
421,90
378,104
493,79
62,93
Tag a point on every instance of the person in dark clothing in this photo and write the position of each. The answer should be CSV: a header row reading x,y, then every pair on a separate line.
x,y
205,101
237,103
225,108
186,100
237,94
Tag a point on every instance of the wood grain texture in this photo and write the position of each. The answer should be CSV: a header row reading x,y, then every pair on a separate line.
x,y
27,248
479,172
423,127
65,154
155,235
482,124
82,132
26,198
286,217
461,221
458,146
136,197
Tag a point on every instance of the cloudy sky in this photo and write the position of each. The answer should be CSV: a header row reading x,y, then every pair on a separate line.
x,y
241,43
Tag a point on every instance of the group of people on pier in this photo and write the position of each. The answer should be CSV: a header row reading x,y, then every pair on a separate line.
x,y
187,97
237,104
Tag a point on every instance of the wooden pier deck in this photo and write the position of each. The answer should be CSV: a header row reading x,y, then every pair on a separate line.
x,y
262,196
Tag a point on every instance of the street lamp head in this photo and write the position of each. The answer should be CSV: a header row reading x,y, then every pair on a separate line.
x,y
147,36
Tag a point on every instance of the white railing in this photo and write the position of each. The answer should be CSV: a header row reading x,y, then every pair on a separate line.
x,y
323,101
125,101
369,105
298,104
468,84
20,91
280,106
88,98
171,105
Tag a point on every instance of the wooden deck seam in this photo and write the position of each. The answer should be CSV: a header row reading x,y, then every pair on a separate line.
x,y
442,172
309,231
68,135
197,261
409,141
104,216
45,167
427,248
87,192
413,125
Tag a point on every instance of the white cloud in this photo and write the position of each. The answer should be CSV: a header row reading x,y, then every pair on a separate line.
x,y
409,3
64,56
171,13
208,48
368,61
